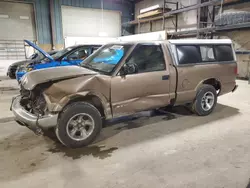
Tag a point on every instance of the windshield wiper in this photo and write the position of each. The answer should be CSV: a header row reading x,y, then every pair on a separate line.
x,y
88,66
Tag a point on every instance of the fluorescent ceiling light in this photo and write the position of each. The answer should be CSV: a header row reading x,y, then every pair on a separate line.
x,y
149,9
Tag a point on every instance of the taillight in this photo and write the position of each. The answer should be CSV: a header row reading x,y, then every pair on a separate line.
x,y
236,70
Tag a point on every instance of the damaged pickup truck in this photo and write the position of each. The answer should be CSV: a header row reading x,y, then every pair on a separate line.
x,y
121,79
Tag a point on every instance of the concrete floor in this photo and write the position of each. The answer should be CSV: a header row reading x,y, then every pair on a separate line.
x,y
176,149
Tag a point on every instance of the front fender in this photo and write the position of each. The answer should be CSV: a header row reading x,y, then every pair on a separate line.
x,y
81,95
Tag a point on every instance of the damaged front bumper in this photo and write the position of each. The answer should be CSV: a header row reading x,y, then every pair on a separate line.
x,y
28,119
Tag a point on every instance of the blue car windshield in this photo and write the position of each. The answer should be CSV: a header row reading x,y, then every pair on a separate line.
x,y
105,59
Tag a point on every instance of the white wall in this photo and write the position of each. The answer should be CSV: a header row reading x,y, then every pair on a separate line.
x,y
20,22
160,35
4,64
86,22
71,41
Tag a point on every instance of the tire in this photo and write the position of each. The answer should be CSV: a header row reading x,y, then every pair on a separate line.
x,y
11,75
205,94
69,130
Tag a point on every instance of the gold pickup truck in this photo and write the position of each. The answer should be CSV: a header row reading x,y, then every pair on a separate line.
x,y
123,78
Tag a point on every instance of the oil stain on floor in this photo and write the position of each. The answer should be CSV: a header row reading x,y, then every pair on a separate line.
x,y
39,152
96,151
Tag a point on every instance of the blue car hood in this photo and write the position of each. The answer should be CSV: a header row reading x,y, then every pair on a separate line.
x,y
39,49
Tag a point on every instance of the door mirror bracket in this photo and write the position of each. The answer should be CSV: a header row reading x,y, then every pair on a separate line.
x,y
123,71
128,69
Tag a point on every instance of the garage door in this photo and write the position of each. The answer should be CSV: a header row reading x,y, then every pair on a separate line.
x,y
84,22
17,23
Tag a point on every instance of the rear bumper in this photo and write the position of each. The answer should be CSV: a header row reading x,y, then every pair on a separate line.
x,y
228,87
235,87
30,120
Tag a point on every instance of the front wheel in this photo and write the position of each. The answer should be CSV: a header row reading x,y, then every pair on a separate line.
x,y
205,101
79,124
12,75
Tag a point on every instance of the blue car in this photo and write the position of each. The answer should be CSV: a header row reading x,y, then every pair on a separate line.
x,y
73,55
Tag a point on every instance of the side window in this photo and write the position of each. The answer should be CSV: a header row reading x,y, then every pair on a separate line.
x,y
95,49
224,53
188,54
146,58
81,53
207,53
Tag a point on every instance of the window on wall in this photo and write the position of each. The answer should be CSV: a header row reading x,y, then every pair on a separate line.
x,y
147,58
193,54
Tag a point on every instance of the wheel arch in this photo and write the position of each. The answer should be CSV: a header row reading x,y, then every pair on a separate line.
x,y
210,81
97,100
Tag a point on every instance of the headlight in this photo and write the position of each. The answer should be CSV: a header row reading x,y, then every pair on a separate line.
x,y
29,69
24,69
21,69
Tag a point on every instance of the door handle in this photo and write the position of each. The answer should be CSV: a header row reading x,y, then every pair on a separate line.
x,y
165,77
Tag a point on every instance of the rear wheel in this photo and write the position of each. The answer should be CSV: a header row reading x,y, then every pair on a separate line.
x,y
78,125
206,100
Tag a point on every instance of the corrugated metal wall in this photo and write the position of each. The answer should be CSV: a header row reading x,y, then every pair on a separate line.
x,y
43,21
42,13
58,21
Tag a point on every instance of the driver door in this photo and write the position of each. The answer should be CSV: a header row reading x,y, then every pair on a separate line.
x,y
146,85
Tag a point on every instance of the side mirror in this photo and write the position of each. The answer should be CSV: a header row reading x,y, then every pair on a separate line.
x,y
128,69
124,70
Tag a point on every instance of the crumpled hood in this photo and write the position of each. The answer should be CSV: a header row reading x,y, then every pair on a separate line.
x,y
33,78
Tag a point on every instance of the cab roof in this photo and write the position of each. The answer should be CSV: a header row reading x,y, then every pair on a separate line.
x,y
178,41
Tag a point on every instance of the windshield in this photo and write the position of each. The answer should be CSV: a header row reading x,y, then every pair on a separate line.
x,y
62,52
107,58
